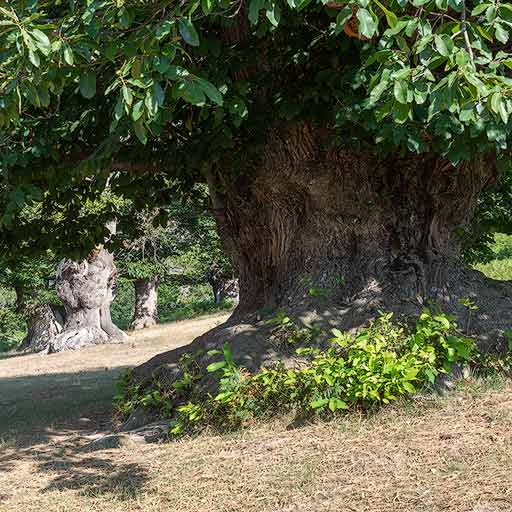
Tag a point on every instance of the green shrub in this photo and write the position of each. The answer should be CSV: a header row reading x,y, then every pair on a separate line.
x,y
380,364
12,325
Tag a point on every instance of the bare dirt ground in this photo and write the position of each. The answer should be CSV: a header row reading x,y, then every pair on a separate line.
x,y
451,453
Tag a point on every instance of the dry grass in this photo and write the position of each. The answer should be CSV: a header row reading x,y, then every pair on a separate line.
x,y
434,454
37,391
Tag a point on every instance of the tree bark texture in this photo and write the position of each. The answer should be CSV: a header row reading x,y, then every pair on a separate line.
x,y
43,323
87,289
146,303
332,236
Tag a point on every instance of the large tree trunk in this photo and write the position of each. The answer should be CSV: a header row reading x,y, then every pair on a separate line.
x,y
87,289
43,323
333,236
146,303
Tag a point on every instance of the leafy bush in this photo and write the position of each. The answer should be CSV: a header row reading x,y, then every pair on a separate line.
x,y
380,364
12,325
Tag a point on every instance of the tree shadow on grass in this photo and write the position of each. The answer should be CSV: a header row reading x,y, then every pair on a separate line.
x,y
94,476
68,466
36,409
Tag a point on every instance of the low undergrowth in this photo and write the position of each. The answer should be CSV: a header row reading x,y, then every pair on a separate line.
x,y
382,363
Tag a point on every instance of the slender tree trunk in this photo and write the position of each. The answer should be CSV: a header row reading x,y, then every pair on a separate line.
x,y
331,237
87,289
146,303
42,323
224,287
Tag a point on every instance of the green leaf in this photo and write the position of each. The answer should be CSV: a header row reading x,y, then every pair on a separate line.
x,y
191,92
490,14
140,130
254,10
367,24
34,58
158,94
216,366
444,44
68,56
163,29
88,84
408,387
42,41
188,32
206,6
211,91
479,9
400,91
390,16
378,90
343,16
316,404
138,110
127,95
274,14
501,34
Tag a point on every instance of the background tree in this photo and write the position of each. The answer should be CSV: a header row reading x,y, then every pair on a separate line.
x,y
204,260
185,250
147,259
33,280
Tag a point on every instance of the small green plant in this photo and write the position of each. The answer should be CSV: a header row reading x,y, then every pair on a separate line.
x,y
322,293
471,306
508,336
340,280
280,320
288,333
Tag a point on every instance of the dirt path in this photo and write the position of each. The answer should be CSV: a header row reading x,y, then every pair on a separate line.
x,y
75,389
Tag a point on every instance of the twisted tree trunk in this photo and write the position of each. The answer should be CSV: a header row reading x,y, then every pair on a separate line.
x,y
87,289
146,303
333,236
43,323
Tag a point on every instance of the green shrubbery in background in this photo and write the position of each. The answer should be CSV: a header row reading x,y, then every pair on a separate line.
x,y
501,266
175,302
12,325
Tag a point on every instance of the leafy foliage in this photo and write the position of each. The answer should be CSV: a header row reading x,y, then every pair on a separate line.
x,y
11,322
380,364
95,86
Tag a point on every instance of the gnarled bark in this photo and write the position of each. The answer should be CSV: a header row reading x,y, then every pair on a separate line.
x,y
146,303
43,323
333,236
87,290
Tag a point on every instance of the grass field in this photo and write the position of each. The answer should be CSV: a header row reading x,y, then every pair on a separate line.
x,y
450,453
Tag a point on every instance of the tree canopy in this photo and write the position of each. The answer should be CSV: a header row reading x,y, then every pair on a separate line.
x,y
170,87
